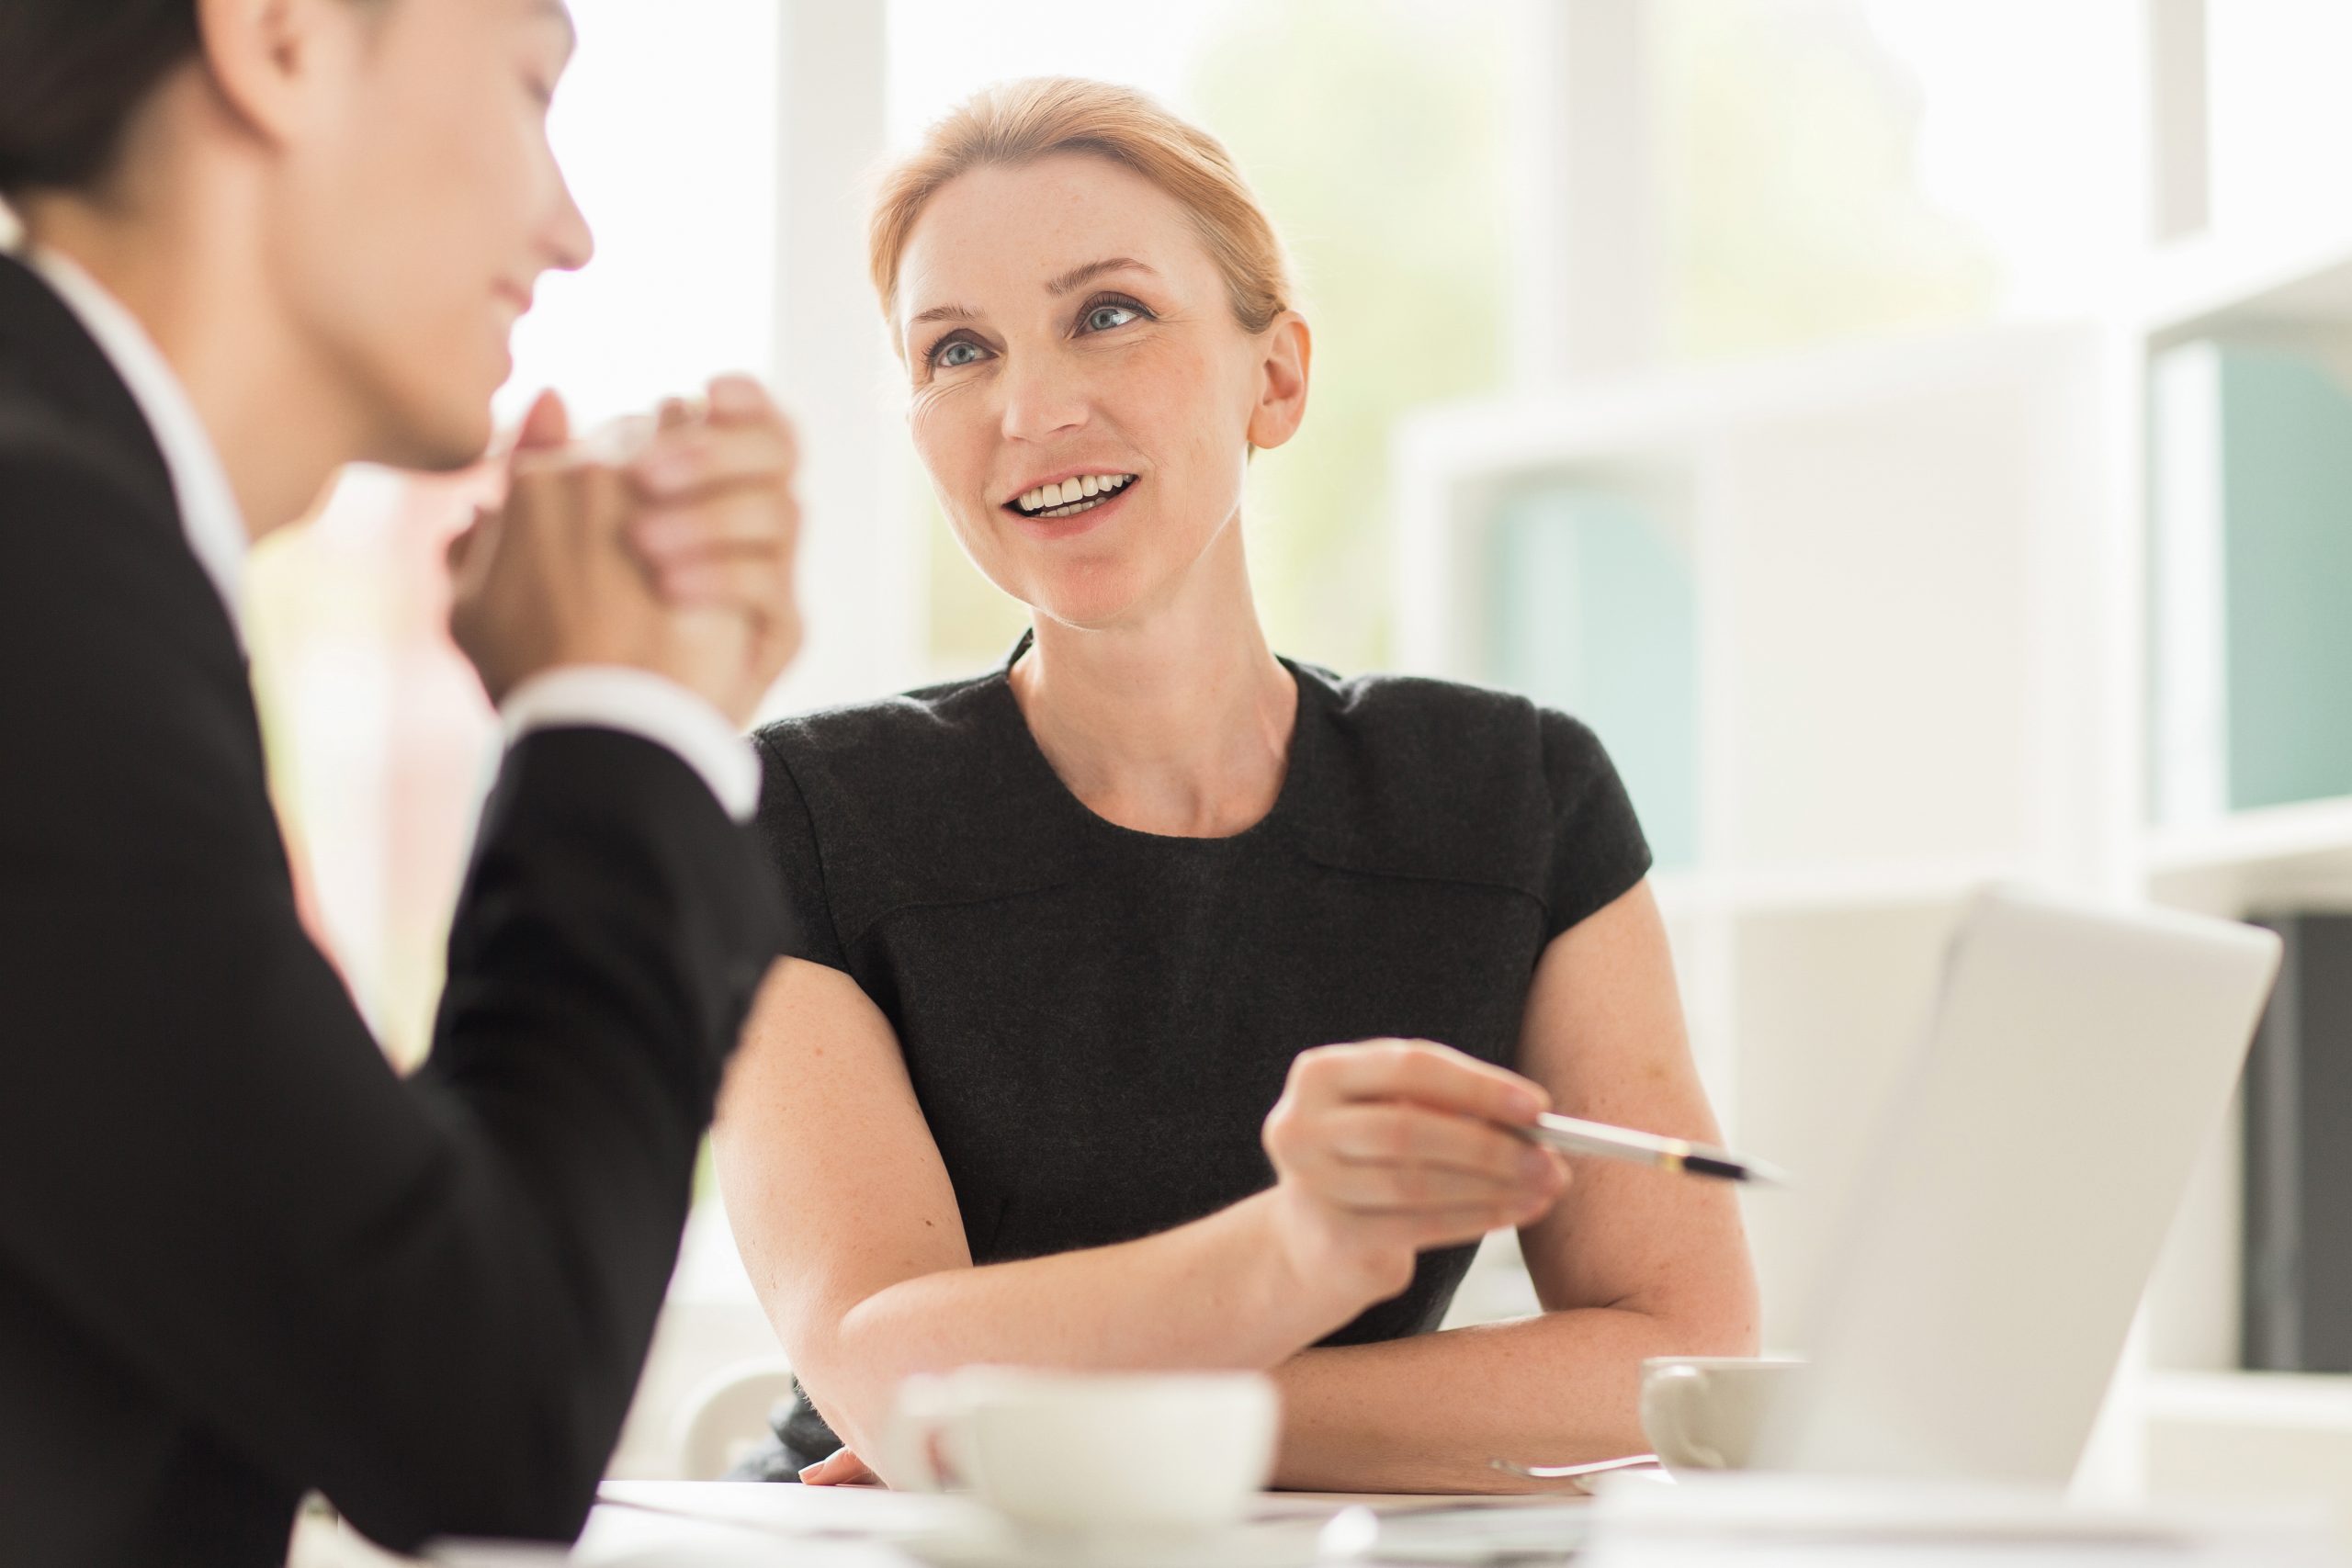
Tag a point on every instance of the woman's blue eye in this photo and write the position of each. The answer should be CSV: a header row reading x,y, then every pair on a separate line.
x,y
958,353
1102,318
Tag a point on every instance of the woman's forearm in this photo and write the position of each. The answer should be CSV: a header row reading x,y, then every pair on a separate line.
x,y
1428,1413
1219,1293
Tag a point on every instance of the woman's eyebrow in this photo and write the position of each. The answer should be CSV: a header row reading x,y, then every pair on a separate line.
x,y
1079,274
945,314
1073,278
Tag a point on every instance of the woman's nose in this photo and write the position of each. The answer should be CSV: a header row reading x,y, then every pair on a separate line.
x,y
1041,400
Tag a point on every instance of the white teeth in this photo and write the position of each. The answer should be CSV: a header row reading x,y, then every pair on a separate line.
x,y
1067,498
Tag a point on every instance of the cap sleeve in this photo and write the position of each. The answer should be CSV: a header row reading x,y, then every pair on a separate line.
x,y
789,835
1598,852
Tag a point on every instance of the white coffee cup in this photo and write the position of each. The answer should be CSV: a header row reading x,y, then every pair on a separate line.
x,y
1707,1412
1089,1451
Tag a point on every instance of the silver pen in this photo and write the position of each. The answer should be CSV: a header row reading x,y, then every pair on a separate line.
x,y
1570,1135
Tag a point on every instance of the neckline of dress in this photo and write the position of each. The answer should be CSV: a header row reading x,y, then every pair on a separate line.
x,y
1294,766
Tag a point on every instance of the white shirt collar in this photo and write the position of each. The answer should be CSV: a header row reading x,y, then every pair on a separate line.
x,y
214,523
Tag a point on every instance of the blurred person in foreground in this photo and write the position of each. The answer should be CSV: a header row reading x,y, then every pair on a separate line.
x,y
1157,1002
239,1257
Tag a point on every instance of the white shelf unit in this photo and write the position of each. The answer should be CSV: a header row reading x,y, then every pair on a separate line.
x,y
1920,573
1897,692
2250,1437
2300,280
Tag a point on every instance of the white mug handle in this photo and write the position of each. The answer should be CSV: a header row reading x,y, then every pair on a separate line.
x,y
1671,1399
923,1424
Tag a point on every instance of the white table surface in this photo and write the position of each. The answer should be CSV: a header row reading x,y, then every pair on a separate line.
x,y
715,1523
723,1524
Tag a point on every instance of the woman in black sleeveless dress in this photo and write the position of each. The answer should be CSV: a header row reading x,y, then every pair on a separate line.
x,y
1155,1002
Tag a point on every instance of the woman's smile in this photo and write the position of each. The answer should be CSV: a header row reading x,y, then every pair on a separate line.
x,y
1071,506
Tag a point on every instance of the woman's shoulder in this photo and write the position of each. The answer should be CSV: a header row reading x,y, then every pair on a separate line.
x,y
913,738
1443,780
922,797
1423,727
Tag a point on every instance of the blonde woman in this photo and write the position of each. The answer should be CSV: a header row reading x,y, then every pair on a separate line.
x,y
1158,1002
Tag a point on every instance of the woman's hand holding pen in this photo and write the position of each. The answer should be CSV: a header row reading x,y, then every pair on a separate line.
x,y
1384,1149
1381,1150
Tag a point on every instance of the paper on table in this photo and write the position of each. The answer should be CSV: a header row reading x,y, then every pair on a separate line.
x,y
861,1513
496,1554
628,1538
1547,1530
1281,1507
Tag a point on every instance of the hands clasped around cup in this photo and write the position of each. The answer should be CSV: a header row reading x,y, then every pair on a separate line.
x,y
1386,1149
676,558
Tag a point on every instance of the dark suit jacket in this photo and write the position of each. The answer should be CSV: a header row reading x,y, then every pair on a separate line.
x,y
239,1257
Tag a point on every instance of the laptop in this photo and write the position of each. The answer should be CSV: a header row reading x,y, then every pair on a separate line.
x,y
1989,1259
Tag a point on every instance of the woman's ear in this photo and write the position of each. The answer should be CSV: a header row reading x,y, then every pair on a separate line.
x,y
1281,381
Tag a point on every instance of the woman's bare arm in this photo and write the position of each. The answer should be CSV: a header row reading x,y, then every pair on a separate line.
x,y
1631,1262
849,1226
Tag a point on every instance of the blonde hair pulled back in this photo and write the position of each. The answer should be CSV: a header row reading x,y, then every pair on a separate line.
x,y
1014,123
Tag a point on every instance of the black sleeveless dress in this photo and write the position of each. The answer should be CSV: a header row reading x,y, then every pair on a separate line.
x,y
1097,1021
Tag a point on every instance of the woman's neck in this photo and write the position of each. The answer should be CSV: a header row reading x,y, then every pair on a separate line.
x,y
1179,723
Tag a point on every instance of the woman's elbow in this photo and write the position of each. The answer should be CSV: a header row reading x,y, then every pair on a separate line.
x,y
1722,1321
1717,1335
849,1381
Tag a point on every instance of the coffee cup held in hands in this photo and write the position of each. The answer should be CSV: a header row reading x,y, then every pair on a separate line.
x,y
1707,1412
1078,1453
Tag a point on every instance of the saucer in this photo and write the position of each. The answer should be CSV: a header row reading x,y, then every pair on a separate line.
x,y
992,1543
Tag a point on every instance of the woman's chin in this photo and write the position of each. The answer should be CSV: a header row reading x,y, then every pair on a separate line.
x,y
1088,601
